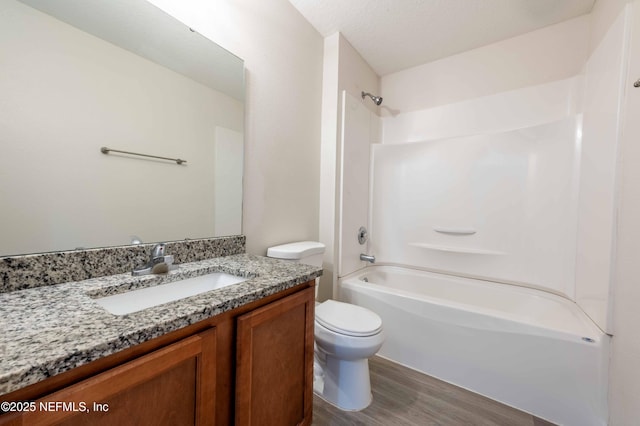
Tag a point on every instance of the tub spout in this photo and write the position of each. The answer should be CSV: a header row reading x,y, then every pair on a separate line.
x,y
367,258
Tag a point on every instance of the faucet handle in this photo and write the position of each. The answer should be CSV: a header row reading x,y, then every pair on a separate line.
x,y
157,251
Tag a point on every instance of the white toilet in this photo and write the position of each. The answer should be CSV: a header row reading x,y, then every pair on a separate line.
x,y
346,337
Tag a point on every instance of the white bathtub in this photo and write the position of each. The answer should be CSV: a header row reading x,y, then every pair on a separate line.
x,y
529,349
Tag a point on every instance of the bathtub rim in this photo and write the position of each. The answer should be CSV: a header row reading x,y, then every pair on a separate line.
x,y
590,328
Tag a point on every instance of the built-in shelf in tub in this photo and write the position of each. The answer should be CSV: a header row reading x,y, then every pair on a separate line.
x,y
454,231
456,249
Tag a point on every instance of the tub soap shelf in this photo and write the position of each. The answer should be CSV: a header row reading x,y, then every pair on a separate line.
x,y
464,250
454,231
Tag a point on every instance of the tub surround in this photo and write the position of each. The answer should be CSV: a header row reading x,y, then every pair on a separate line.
x,y
52,329
41,269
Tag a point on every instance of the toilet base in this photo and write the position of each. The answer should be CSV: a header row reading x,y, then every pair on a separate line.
x,y
344,384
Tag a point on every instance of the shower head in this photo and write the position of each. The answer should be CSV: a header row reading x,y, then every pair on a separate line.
x,y
376,99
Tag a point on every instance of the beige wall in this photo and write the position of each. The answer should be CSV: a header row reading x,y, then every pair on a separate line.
x,y
355,75
602,16
344,70
283,60
549,54
327,226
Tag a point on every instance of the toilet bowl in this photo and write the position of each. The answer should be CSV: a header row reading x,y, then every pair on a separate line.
x,y
346,336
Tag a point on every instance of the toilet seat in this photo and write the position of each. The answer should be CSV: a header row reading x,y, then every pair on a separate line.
x,y
348,319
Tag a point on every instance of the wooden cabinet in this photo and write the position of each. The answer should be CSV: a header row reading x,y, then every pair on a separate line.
x,y
274,377
174,385
253,365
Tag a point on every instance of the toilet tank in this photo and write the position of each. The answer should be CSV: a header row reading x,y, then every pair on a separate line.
x,y
307,252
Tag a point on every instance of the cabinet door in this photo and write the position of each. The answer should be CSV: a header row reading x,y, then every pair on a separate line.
x,y
274,377
174,385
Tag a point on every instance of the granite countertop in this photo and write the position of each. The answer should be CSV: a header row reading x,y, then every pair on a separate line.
x,y
48,330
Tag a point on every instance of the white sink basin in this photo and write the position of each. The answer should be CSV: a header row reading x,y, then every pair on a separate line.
x,y
137,300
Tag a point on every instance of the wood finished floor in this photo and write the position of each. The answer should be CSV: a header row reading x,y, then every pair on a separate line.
x,y
402,396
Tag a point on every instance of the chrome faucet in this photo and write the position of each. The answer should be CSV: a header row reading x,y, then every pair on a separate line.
x,y
158,263
367,258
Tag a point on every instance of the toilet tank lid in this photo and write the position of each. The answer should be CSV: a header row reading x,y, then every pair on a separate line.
x,y
296,250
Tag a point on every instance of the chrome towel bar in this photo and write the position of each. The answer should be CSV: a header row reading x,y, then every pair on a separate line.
x,y
106,150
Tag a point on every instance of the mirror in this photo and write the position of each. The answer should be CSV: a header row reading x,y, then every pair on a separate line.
x,y
79,75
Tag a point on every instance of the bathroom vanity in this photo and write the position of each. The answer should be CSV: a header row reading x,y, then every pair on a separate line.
x,y
241,355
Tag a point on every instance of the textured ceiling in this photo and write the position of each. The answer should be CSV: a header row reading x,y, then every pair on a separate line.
x,y
392,35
